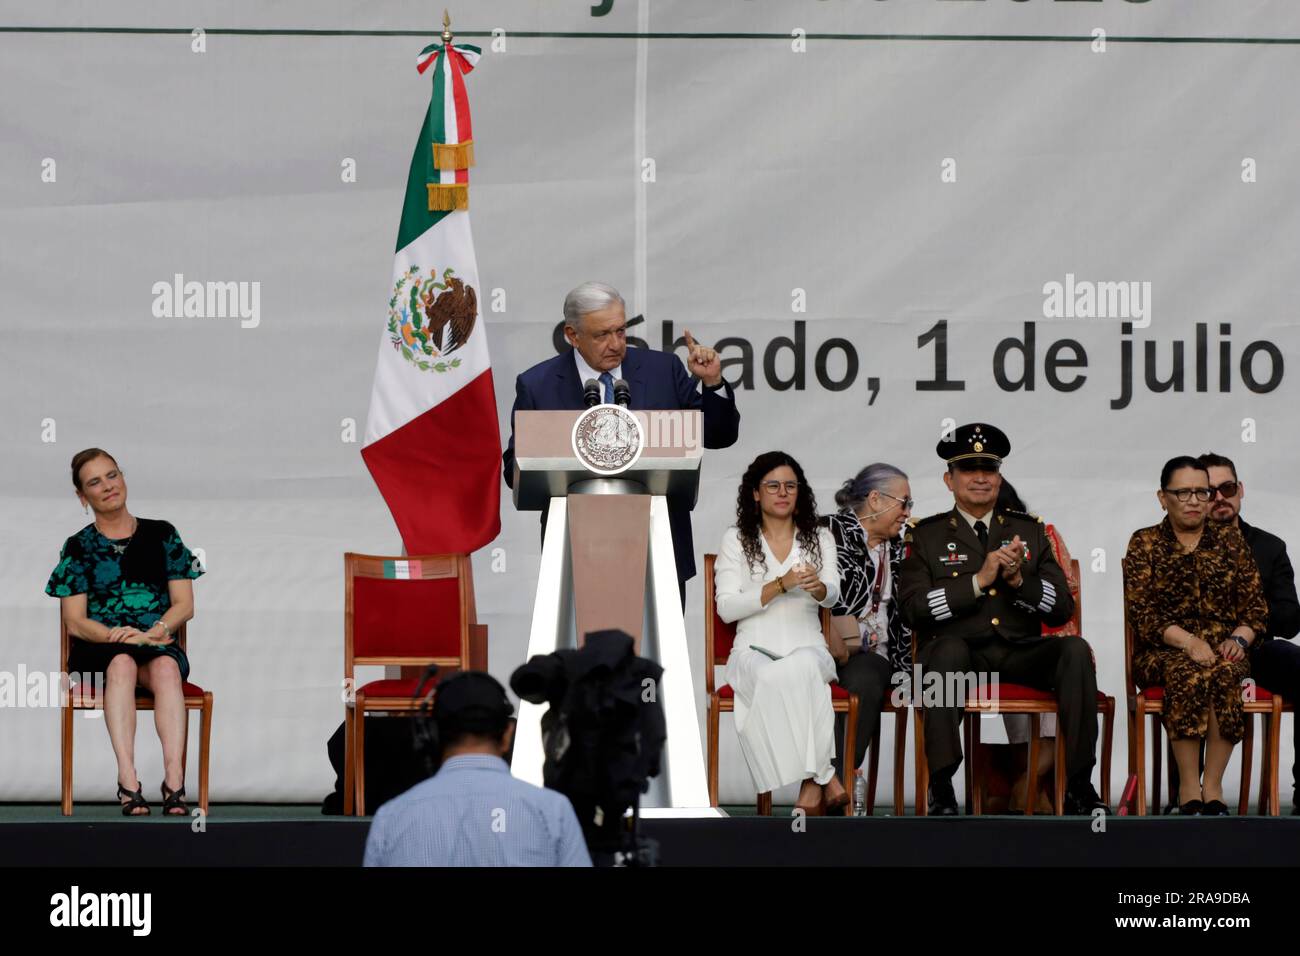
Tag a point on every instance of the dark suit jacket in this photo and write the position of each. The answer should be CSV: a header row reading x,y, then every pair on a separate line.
x,y
656,380
943,554
1278,578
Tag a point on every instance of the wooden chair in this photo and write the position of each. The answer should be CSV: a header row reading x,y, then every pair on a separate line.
x,y
1270,707
1268,771
1009,698
1148,702
411,612
1019,699
887,706
83,697
718,638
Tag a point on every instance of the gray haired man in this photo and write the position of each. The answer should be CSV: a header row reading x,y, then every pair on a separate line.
x,y
595,325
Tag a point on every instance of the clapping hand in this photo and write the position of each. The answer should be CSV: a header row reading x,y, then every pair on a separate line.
x,y
1011,556
801,577
806,577
703,362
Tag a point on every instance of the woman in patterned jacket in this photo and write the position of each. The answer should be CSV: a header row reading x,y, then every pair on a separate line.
x,y
874,506
125,587
1195,603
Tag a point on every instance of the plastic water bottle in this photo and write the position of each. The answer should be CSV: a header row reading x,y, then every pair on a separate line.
x,y
859,794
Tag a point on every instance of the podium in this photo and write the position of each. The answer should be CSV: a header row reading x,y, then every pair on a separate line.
x,y
604,478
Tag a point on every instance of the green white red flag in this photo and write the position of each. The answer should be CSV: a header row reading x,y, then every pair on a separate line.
x,y
431,440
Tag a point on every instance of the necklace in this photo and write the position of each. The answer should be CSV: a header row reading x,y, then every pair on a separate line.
x,y
774,542
120,548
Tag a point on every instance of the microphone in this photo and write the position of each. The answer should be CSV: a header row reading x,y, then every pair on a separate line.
x,y
591,392
622,394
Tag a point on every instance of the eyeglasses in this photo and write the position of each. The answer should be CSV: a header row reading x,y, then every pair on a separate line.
x,y
1228,489
774,487
1185,494
906,502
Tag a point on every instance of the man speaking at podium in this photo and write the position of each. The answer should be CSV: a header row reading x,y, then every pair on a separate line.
x,y
595,324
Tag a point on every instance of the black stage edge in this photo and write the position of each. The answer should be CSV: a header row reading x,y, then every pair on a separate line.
x,y
743,841
1057,908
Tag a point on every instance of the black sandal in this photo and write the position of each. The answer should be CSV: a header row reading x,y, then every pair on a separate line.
x,y
174,800
137,800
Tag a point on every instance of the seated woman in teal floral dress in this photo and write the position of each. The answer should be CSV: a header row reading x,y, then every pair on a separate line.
x,y
124,586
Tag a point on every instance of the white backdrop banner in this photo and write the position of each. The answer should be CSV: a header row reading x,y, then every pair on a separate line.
x,y
1076,220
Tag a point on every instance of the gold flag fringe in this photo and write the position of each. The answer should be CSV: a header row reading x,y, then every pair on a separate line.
x,y
453,155
446,197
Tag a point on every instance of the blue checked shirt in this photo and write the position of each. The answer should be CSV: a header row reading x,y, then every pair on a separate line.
x,y
474,813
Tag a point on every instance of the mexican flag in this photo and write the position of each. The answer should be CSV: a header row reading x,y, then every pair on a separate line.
x,y
431,439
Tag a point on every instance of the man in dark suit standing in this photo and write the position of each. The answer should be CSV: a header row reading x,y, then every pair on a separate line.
x,y
976,585
1274,660
595,324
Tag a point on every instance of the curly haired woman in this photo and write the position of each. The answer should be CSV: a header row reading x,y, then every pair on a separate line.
x,y
776,569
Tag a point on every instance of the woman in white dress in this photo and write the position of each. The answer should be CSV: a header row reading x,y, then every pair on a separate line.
x,y
776,569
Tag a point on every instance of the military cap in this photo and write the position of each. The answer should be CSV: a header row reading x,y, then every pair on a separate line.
x,y
975,444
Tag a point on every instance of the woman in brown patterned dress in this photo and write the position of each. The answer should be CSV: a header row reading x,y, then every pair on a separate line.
x,y
1195,603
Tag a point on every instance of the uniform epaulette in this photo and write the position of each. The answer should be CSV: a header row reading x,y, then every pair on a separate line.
x,y
918,522
1012,513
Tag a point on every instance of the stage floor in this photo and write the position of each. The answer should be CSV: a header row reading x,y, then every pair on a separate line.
x,y
299,835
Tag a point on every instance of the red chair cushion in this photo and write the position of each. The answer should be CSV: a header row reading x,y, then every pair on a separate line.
x,y
84,696
1158,693
188,689
727,692
724,636
401,687
1017,692
1021,692
406,618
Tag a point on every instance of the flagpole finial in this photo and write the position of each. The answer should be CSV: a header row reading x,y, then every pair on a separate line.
x,y
446,26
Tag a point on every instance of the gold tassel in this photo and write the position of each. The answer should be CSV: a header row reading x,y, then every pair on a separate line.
x,y
446,197
453,155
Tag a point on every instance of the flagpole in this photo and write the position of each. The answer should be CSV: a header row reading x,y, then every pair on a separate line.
x,y
446,28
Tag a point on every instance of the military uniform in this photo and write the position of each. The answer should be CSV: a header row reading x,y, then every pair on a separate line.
x,y
943,555
961,628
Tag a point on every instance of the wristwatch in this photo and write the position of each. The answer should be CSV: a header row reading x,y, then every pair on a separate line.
x,y
1241,641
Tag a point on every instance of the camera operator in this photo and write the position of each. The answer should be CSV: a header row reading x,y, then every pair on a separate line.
x,y
473,812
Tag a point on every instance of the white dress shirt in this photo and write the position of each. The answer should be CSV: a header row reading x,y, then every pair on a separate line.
x,y
585,372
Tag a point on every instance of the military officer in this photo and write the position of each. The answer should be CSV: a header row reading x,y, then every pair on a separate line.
x,y
977,585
